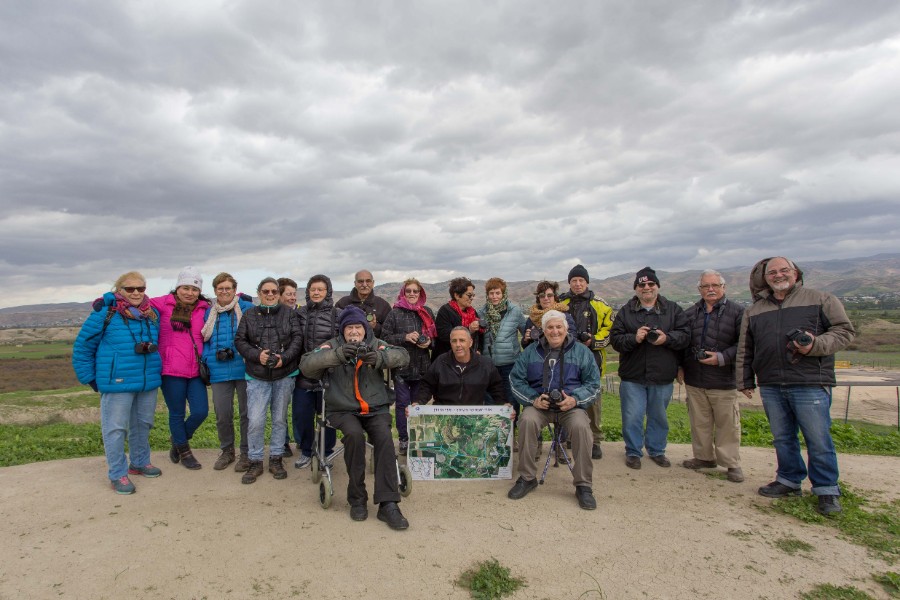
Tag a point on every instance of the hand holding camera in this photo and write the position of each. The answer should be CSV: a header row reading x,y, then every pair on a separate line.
x,y
423,341
349,351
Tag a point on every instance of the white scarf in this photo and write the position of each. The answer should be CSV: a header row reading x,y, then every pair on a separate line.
x,y
218,309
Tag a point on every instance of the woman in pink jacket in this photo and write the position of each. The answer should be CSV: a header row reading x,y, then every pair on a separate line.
x,y
180,345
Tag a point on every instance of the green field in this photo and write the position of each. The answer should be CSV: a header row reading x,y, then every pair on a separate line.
x,y
49,350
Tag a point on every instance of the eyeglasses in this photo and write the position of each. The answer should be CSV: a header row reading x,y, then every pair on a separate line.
x,y
551,295
412,292
269,292
224,290
710,286
132,289
648,284
365,281
784,271
469,295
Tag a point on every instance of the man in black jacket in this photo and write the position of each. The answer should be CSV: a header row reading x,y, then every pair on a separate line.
x,y
363,297
708,374
649,333
461,377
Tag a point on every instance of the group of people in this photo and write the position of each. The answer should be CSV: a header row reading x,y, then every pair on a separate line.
x,y
547,362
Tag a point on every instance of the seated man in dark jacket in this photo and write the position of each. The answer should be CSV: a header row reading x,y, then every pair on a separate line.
x,y
461,377
357,403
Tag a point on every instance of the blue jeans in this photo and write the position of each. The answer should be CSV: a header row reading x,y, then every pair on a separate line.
x,y
405,393
650,401
793,408
126,415
179,393
304,406
261,396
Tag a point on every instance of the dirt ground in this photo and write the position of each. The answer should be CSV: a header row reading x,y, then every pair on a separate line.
x,y
657,533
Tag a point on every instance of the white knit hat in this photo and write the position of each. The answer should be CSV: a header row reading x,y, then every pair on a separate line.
x,y
553,314
190,276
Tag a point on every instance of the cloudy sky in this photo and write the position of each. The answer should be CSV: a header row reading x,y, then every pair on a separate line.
x,y
439,138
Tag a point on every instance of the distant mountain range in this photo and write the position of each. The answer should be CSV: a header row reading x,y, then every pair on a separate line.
x,y
852,277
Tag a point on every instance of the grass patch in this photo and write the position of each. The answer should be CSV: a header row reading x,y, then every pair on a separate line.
x,y
792,545
890,581
489,580
34,351
826,591
864,521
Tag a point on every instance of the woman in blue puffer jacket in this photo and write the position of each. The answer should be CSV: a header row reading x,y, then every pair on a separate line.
x,y
116,354
501,338
226,368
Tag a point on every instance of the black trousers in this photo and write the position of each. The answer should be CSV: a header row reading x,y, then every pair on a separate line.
x,y
355,428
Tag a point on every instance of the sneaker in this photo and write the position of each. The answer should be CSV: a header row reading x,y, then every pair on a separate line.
x,y
596,452
829,505
521,489
359,512
242,464
147,470
390,513
123,485
735,475
696,463
661,460
585,497
404,446
633,462
776,489
302,462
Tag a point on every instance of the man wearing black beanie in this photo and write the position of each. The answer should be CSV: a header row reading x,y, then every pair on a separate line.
x,y
593,320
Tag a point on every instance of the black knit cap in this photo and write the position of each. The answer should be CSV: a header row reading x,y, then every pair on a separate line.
x,y
579,271
644,275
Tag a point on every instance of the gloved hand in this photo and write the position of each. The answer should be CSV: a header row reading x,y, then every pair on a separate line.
x,y
349,351
370,358
93,385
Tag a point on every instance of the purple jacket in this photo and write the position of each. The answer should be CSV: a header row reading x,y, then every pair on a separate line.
x,y
175,347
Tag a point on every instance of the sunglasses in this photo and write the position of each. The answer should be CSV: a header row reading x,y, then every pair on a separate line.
x,y
469,295
546,295
140,288
412,292
269,292
649,284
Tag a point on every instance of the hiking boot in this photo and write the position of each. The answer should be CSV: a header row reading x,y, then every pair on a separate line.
x,y
287,450
225,459
829,505
596,452
776,489
147,470
661,460
187,457
123,486
585,497
696,463
302,462
404,446
359,512
735,475
633,462
254,470
173,452
521,489
276,468
390,513
242,464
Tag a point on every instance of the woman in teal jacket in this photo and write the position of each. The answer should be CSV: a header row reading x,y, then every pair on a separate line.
x,y
116,354
501,338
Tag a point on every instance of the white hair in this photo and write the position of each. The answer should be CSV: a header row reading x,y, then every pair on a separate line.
x,y
709,272
554,314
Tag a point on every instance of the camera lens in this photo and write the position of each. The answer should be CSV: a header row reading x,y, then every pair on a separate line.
x,y
652,335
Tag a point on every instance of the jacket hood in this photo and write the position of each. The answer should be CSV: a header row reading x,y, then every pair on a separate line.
x,y
328,288
423,297
759,289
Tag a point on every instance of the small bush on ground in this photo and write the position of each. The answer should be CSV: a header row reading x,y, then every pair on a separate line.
x,y
489,580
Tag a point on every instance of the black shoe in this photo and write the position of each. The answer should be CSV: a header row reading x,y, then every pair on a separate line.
x,y
390,513
521,489
661,460
287,450
174,456
633,462
596,452
276,467
829,505
776,489
585,497
359,512
187,458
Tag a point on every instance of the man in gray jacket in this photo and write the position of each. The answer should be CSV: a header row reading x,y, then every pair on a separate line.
x,y
788,340
357,403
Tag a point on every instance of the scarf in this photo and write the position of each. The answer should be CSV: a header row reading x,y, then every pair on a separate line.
x,y
468,316
428,327
495,313
129,311
218,309
181,315
537,313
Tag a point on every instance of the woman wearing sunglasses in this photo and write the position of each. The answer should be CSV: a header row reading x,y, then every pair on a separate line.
x,y
459,311
410,325
116,354
546,297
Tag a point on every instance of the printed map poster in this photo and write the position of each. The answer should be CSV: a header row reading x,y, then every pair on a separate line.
x,y
460,442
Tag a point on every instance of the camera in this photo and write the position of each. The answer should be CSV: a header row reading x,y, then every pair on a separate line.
x,y
535,334
273,360
700,353
483,323
801,337
585,336
423,340
554,397
361,349
145,348
653,334
224,354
